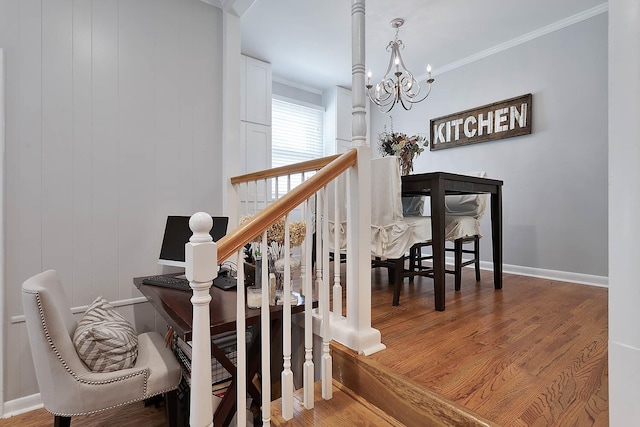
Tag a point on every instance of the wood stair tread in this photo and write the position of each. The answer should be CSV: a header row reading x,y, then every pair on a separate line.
x,y
345,408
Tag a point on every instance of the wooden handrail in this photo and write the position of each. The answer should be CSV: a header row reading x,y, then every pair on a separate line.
x,y
233,241
308,166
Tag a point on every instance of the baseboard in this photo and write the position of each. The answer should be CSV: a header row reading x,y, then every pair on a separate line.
x,y
22,405
562,276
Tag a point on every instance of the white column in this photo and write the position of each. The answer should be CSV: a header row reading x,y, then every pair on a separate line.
x,y
357,333
201,262
358,99
624,205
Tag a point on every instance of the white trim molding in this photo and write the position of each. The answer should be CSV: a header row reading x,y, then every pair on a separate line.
x,y
22,405
2,272
295,85
541,273
563,23
82,308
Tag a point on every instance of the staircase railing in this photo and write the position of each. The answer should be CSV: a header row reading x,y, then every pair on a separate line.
x,y
304,195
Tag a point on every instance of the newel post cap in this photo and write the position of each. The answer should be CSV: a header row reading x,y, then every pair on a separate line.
x,y
201,253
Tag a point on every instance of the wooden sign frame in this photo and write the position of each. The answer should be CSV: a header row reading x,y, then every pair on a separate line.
x,y
499,120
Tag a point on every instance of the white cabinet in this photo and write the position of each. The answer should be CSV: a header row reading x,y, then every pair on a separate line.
x,y
255,115
255,93
256,147
337,119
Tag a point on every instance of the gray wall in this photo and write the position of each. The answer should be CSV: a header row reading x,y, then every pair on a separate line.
x,y
555,180
101,97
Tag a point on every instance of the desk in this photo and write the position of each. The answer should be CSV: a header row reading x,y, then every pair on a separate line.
x,y
175,307
438,184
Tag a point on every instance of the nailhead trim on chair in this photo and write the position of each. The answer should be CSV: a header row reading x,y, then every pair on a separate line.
x,y
144,372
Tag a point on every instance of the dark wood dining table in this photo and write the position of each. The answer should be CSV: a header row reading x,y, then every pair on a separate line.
x,y
437,185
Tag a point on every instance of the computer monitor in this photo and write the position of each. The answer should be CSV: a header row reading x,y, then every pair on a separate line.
x,y
177,233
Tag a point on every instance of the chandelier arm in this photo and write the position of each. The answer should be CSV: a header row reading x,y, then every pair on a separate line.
x,y
411,100
386,73
398,85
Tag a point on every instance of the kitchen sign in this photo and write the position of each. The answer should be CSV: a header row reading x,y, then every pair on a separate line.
x,y
503,119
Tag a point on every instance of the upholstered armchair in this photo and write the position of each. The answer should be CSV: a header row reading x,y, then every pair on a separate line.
x,y
67,385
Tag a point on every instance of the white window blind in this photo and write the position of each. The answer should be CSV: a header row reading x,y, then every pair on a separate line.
x,y
296,136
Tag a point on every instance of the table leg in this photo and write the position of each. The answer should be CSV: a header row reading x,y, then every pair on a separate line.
x,y
496,236
227,407
437,239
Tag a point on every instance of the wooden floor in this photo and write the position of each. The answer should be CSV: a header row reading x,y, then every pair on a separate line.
x,y
344,409
132,415
531,354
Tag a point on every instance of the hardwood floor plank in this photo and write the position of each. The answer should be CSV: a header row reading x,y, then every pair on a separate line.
x,y
132,415
533,353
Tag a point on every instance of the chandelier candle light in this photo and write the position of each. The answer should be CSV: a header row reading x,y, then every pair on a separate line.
x,y
399,86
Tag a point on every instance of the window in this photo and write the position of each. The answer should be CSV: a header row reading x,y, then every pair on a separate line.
x,y
296,136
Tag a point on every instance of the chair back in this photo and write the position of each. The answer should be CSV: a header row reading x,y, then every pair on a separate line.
x,y
386,188
472,205
50,327
339,199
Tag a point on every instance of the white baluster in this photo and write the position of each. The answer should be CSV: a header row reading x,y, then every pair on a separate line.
x,y
327,387
201,260
308,372
241,346
265,334
287,374
337,288
319,242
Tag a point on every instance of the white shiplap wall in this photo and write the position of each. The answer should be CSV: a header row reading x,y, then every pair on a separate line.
x,y
113,122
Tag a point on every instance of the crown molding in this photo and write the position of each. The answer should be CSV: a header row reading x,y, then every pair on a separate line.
x,y
216,3
563,23
278,79
237,7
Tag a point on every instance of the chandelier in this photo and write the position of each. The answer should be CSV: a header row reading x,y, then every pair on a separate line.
x,y
398,85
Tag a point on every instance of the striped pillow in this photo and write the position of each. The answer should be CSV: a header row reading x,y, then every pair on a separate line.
x,y
104,340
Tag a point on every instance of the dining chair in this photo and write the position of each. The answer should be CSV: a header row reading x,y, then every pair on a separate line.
x,y
462,226
74,377
393,234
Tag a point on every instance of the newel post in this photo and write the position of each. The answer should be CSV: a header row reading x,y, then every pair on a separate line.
x,y
201,261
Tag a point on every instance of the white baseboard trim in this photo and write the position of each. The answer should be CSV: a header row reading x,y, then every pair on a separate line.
x,y
562,276
22,405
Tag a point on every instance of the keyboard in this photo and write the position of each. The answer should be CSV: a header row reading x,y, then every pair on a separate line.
x,y
221,282
168,282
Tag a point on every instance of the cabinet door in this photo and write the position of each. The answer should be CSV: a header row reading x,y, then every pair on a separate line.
x,y
256,91
256,147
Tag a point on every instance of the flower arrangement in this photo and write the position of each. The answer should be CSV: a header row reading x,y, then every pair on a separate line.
x,y
399,144
274,253
275,235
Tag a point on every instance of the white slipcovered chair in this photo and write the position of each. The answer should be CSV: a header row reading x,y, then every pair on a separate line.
x,y
392,233
67,385
462,226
